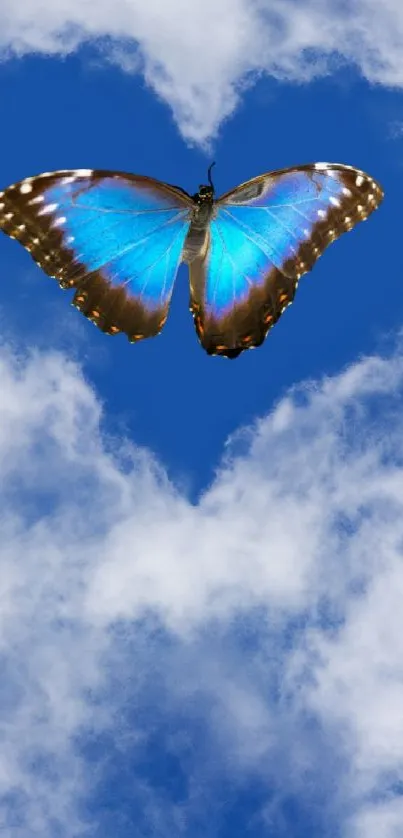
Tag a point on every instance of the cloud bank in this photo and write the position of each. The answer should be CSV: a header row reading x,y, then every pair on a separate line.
x,y
200,63
270,610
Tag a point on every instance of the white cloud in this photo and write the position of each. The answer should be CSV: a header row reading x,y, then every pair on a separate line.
x,y
199,61
110,579
382,820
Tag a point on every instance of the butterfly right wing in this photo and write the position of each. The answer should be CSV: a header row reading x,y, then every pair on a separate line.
x,y
264,235
115,238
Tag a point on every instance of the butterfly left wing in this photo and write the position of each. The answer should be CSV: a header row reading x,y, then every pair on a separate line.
x,y
115,238
263,236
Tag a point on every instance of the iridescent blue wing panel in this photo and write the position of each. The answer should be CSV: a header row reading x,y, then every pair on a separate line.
x,y
264,235
116,238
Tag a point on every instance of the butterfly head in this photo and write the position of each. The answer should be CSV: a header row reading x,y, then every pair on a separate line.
x,y
205,195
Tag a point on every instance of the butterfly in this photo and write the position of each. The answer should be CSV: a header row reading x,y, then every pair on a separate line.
x,y
118,239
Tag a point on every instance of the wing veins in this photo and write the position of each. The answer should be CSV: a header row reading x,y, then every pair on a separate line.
x,y
228,252
132,245
273,206
121,211
244,226
89,220
252,238
153,264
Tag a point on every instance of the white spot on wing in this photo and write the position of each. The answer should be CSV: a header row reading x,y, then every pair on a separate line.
x,y
322,213
58,221
26,187
359,180
334,201
37,200
48,208
326,168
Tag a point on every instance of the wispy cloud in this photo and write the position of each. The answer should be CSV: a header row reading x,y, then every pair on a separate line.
x,y
200,63
270,610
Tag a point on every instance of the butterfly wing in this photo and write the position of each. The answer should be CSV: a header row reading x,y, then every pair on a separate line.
x,y
115,238
263,236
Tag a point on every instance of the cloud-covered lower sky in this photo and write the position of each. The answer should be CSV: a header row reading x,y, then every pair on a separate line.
x,y
201,561
198,58
268,614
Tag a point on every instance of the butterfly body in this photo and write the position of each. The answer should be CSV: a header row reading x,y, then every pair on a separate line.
x,y
118,239
201,215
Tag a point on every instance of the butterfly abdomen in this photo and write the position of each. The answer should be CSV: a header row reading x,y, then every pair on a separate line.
x,y
197,238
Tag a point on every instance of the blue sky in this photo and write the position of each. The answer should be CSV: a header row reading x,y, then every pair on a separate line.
x,y
201,582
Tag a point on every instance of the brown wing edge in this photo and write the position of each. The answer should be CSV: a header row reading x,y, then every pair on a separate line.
x,y
348,172
247,325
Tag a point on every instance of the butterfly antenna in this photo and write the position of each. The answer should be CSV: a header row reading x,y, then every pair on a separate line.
x,y
209,176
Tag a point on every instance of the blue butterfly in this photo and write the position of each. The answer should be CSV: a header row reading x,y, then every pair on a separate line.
x,y
118,240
